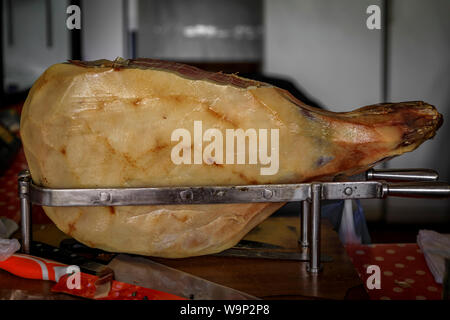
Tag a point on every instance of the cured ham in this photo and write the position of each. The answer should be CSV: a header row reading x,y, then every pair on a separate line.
x,y
111,124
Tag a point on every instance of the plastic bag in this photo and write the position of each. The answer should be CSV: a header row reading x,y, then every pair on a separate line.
x,y
7,227
347,231
8,247
347,218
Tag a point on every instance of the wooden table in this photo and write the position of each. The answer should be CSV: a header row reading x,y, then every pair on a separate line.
x,y
264,278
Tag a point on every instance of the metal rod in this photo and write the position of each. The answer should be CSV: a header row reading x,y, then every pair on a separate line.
x,y
304,225
418,190
26,224
314,265
402,175
25,210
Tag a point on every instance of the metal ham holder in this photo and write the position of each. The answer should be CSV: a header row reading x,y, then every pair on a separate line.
x,y
416,183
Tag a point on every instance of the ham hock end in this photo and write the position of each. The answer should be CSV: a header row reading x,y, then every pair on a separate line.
x,y
109,124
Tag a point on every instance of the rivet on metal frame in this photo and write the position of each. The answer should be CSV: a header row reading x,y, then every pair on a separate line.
x,y
186,195
105,197
348,191
268,193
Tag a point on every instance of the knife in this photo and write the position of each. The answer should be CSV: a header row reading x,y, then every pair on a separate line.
x,y
89,285
139,271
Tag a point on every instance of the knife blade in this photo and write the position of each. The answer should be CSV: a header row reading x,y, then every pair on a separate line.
x,y
264,254
147,273
252,244
264,250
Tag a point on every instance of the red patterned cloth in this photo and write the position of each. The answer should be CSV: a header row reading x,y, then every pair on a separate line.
x,y
9,198
404,271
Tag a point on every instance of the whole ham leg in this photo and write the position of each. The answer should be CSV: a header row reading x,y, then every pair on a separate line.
x,y
110,124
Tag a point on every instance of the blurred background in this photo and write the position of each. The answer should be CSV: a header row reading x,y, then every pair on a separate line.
x,y
321,51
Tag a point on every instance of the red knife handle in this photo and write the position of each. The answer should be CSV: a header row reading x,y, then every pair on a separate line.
x,y
32,267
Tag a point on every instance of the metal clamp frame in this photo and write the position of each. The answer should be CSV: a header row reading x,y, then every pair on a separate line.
x,y
310,194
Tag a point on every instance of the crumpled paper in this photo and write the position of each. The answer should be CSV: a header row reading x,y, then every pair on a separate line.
x,y
435,248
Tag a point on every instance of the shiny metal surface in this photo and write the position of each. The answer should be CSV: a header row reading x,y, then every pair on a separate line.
x,y
200,195
418,189
304,222
25,210
391,175
168,195
314,265
352,190
402,175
